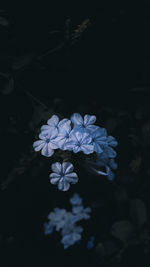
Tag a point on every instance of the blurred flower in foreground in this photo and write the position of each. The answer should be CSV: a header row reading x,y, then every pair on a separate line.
x,y
76,200
66,222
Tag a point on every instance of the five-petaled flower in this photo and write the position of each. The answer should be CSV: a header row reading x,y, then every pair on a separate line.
x,y
47,143
66,222
80,141
63,175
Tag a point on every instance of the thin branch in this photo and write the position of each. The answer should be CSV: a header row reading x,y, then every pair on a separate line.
x,y
35,99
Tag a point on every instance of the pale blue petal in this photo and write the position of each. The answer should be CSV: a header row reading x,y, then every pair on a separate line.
x,y
56,167
60,141
78,135
53,121
111,152
73,133
53,133
87,149
64,122
53,144
99,133
69,145
67,167
45,128
55,180
71,178
65,130
112,141
63,185
86,139
55,175
77,119
88,119
44,135
97,148
38,145
47,151
76,149
91,128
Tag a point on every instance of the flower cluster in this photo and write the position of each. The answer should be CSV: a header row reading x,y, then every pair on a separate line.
x,y
76,134
66,222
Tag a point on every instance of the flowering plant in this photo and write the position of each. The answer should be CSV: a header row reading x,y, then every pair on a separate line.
x,y
75,135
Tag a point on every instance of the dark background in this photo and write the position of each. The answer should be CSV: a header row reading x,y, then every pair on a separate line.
x,y
50,63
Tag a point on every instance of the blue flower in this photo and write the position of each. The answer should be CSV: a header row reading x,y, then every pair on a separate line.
x,y
76,200
63,135
54,123
63,175
99,139
46,144
80,141
86,123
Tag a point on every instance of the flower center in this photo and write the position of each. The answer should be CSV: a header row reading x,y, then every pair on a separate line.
x,y
79,144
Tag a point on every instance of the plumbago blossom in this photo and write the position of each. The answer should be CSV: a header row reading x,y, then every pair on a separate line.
x,y
75,135
46,143
66,222
63,175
